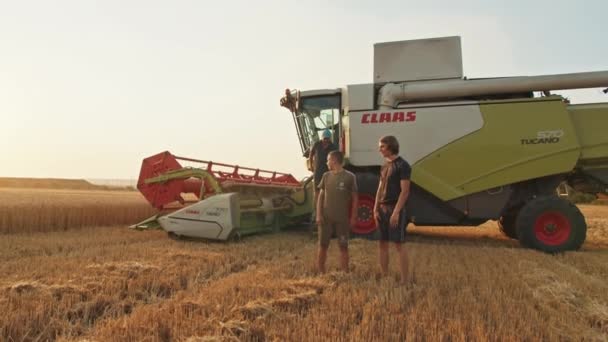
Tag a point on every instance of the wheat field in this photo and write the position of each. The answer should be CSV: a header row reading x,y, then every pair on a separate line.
x,y
45,209
115,284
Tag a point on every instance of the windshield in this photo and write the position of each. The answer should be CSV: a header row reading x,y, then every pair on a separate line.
x,y
315,114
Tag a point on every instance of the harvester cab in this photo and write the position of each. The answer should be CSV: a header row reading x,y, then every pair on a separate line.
x,y
314,112
480,149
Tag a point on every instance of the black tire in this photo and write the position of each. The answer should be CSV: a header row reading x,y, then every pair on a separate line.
x,y
236,237
551,224
507,222
507,225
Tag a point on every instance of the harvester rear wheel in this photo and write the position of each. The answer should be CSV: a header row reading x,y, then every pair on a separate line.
x,y
551,224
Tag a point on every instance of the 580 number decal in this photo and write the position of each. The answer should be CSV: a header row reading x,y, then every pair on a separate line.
x,y
545,137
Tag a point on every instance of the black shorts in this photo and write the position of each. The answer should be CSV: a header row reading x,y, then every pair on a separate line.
x,y
387,233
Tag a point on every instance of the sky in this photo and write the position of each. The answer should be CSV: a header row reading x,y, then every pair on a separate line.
x,y
90,88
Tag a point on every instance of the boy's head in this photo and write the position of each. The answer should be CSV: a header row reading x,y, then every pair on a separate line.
x,y
335,159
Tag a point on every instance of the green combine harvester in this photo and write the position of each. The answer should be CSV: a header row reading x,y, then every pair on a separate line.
x,y
480,150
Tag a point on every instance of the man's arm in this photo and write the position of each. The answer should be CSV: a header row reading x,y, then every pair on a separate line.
x,y
311,156
405,192
377,202
405,173
311,164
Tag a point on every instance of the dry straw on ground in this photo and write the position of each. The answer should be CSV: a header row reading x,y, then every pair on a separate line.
x,y
115,284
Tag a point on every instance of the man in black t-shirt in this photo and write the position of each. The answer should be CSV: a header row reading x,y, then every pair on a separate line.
x,y
389,209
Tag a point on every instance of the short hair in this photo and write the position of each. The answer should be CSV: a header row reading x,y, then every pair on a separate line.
x,y
391,143
337,155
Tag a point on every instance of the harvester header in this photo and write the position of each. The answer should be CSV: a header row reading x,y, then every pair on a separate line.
x,y
217,200
163,180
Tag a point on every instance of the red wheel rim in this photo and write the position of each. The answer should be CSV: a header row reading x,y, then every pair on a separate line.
x,y
365,215
552,228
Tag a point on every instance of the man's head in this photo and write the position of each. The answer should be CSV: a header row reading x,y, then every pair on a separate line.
x,y
326,136
388,146
335,159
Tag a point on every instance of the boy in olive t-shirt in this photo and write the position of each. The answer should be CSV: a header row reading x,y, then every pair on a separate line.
x,y
337,197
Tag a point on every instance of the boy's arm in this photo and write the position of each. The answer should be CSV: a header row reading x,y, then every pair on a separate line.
x,y
320,206
320,200
354,202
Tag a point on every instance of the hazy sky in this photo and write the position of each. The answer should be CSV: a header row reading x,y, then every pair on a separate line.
x,y
90,88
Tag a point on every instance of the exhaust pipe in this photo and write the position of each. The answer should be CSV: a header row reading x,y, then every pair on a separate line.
x,y
391,94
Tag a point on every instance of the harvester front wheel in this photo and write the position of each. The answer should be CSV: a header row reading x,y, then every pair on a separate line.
x,y
507,225
507,222
551,224
367,184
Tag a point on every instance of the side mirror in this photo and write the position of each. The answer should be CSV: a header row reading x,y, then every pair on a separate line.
x,y
288,101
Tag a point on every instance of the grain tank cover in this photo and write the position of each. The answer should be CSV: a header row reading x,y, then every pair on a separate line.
x,y
418,60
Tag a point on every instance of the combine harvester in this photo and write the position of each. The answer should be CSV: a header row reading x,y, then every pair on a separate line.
x,y
480,149
225,201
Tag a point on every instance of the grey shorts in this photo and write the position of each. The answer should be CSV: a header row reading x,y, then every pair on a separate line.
x,y
388,233
329,228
